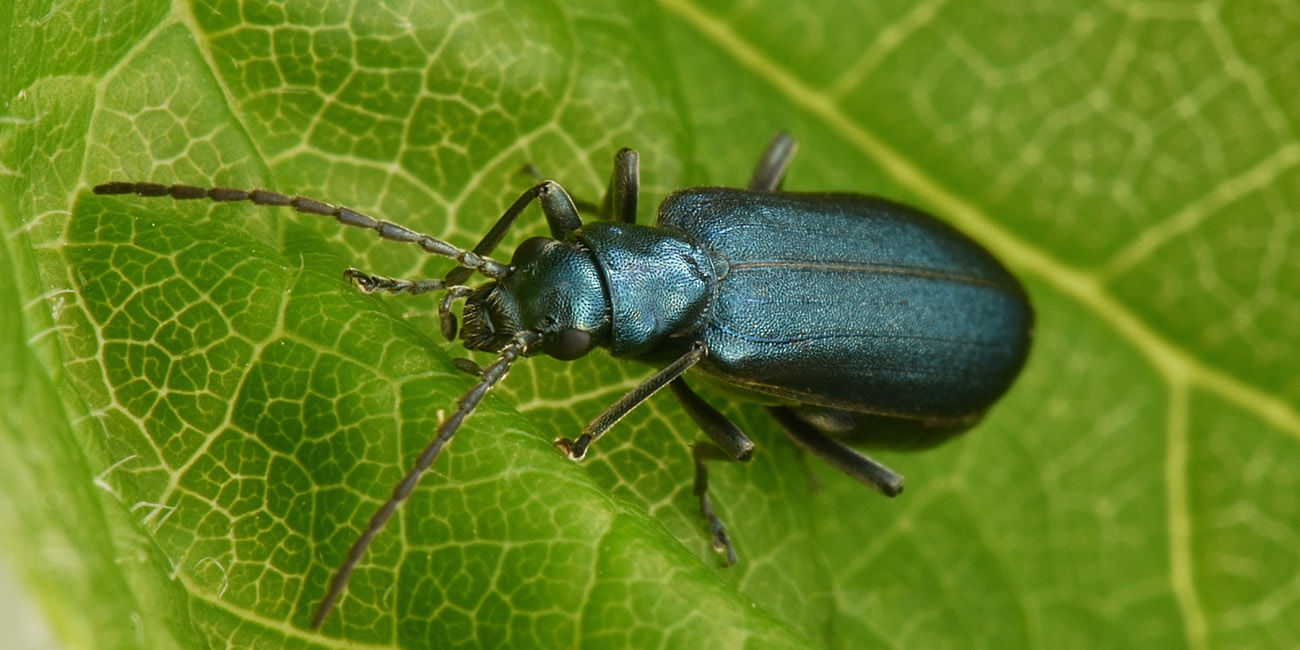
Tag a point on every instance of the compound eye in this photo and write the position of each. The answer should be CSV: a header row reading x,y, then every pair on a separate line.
x,y
529,250
569,344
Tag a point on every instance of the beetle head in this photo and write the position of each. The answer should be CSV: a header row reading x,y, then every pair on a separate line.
x,y
554,290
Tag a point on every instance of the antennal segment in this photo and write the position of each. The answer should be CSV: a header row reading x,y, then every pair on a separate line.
x,y
517,347
393,232
371,283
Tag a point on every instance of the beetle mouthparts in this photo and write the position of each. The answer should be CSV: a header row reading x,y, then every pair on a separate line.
x,y
486,323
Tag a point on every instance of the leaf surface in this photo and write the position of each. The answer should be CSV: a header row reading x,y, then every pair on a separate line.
x,y
199,415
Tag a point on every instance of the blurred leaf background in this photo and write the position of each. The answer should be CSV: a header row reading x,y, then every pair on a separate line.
x,y
198,415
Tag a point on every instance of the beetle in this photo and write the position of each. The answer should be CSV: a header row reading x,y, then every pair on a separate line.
x,y
859,320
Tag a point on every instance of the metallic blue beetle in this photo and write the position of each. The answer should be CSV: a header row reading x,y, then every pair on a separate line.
x,y
859,319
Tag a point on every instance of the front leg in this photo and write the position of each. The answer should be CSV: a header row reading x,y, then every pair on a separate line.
x,y
557,205
620,200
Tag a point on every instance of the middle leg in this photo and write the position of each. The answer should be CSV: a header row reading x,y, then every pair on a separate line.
x,y
729,443
701,453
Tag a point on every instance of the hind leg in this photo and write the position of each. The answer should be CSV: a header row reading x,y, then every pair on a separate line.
x,y
837,454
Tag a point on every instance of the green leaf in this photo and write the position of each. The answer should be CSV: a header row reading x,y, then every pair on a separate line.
x,y
199,415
